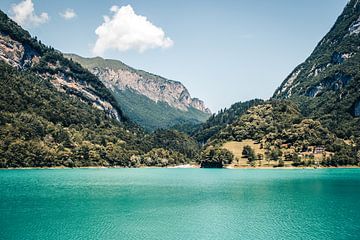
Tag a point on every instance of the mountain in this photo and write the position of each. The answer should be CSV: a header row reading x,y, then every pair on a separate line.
x,y
21,51
56,113
149,100
327,85
314,116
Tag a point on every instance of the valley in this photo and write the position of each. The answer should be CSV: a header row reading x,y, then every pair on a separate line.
x,y
64,110
106,130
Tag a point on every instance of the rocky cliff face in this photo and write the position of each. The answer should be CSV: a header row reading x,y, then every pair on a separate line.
x,y
327,84
19,50
116,75
16,54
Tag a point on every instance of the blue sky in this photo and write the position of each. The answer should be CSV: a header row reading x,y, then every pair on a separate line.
x,y
222,51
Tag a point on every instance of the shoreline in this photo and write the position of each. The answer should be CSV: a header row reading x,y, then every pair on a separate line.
x,y
186,166
313,168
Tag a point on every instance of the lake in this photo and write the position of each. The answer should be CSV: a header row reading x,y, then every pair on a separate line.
x,y
180,204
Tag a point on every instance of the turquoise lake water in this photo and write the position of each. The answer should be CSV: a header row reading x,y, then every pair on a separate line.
x,y
180,204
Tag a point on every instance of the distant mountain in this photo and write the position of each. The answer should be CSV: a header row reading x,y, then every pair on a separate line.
x,y
327,85
150,100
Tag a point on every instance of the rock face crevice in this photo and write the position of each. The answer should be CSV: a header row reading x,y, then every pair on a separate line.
x,y
332,83
355,27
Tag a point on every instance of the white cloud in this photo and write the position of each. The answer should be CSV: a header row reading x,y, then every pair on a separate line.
x,y
126,30
68,14
24,14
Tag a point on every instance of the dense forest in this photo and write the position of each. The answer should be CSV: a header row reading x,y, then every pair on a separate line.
x,y
203,132
282,132
40,126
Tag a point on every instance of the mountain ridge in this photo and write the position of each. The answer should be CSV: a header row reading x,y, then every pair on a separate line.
x,y
128,83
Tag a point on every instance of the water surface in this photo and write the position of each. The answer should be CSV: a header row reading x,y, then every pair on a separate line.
x,y
180,204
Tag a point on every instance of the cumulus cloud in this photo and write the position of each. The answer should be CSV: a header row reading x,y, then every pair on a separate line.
x,y
68,14
125,30
24,14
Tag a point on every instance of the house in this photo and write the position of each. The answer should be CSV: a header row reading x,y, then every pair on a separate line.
x,y
318,150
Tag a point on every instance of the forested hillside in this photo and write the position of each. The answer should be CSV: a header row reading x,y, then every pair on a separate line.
x,y
277,131
203,132
23,52
42,127
56,113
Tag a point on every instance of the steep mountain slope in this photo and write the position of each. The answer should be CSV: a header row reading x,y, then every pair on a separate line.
x,y
20,50
149,100
40,126
327,84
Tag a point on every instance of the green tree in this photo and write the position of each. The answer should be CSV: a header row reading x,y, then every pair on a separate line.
x,y
275,154
249,153
216,157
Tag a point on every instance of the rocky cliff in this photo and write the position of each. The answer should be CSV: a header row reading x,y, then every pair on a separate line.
x,y
20,50
116,74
